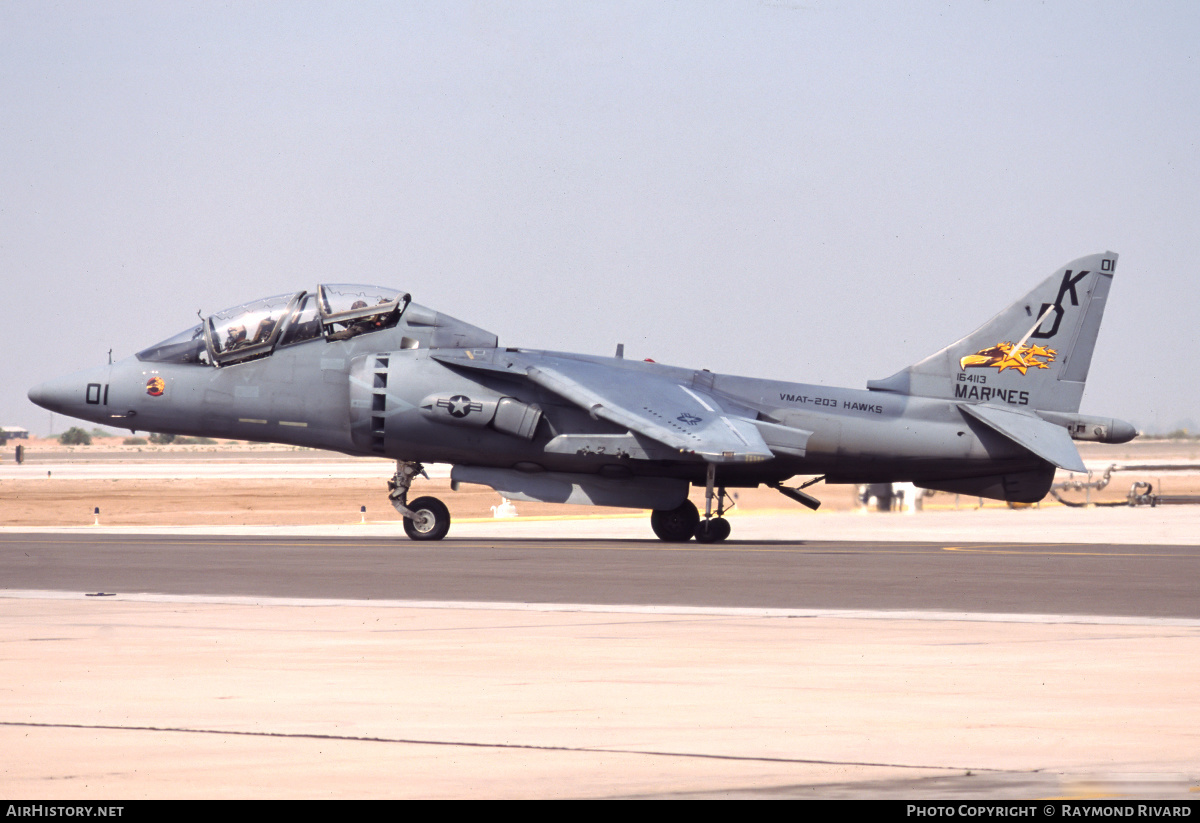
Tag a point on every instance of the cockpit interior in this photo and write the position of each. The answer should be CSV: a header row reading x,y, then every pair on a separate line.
x,y
256,329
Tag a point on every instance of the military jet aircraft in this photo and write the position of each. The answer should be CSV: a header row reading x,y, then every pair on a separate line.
x,y
365,371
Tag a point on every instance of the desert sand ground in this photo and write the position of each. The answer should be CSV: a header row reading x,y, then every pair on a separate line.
x,y
294,492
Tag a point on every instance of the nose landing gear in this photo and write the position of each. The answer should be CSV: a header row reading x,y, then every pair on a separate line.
x,y
425,518
430,520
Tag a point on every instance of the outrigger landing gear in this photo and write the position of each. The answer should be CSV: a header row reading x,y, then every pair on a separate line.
x,y
426,518
710,529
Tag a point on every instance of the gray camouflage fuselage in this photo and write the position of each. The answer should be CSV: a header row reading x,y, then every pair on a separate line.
x,y
430,388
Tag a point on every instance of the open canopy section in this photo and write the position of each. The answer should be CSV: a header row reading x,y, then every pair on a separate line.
x,y
249,330
348,310
255,329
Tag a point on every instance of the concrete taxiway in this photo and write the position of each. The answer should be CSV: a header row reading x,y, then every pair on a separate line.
x,y
571,659
1110,580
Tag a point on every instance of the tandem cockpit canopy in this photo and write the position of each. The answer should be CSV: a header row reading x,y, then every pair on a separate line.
x,y
256,329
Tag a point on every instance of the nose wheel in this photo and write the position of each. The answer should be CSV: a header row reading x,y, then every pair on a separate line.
x,y
425,518
430,520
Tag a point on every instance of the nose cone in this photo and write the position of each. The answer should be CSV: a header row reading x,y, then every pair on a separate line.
x,y
38,394
48,395
79,395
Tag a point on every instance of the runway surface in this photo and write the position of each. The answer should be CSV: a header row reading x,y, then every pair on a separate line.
x,y
954,654
577,659
1029,578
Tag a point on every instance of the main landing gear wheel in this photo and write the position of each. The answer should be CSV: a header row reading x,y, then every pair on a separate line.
x,y
676,525
430,520
712,531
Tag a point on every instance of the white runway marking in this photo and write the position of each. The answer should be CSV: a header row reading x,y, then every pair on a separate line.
x,y
699,611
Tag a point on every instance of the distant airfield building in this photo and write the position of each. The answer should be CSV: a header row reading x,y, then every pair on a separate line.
x,y
13,433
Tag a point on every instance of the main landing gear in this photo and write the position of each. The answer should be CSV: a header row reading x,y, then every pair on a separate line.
x,y
676,525
682,523
425,518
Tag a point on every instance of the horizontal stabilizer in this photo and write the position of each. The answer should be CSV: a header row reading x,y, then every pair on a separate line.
x,y
1050,442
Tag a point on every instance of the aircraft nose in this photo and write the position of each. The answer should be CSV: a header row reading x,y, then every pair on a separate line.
x,y
70,394
45,395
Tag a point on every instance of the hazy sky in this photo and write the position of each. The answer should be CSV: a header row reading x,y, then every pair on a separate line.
x,y
815,191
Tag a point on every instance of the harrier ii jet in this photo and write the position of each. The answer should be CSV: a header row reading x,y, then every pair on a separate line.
x,y
365,371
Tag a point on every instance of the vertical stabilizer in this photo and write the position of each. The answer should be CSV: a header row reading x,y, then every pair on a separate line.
x,y
1034,355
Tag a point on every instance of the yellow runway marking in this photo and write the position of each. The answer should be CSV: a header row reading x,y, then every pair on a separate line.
x,y
1023,549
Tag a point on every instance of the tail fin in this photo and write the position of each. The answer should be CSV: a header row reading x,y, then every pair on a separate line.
x,y
1033,355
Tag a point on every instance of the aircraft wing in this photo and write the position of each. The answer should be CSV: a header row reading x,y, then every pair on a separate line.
x,y
683,418
659,408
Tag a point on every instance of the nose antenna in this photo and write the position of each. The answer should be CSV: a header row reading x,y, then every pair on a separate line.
x,y
110,357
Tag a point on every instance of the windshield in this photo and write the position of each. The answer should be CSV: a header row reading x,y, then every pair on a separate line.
x,y
185,347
